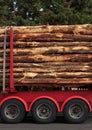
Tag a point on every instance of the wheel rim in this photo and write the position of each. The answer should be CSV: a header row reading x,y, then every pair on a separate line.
x,y
76,111
12,111
44,111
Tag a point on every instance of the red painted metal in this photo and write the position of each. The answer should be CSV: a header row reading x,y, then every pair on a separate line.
x,y
45,97
17,98
76,97
60,98
12,89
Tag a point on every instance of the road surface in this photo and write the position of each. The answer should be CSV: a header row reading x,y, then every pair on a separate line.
x,y
59,124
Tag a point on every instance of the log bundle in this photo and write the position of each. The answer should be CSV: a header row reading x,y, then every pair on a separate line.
x,y
49,55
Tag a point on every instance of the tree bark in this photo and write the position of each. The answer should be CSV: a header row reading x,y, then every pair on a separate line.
x,y
51,37
33,75
49,55
35,44
82,29
50,50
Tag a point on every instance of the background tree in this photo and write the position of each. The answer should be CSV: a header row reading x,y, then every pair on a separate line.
x,y
40,12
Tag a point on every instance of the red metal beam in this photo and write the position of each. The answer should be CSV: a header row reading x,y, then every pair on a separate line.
x,y
12,89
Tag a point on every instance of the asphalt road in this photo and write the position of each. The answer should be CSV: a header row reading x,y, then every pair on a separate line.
x,y
59,124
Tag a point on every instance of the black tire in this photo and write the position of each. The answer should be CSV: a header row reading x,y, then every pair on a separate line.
x,y
44,111
76,111
12,111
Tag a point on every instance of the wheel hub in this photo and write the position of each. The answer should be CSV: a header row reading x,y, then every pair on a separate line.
x,y
76,111
11,111
43,111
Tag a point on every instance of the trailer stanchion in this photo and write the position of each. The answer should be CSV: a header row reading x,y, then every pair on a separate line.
x,y
4,61
12,89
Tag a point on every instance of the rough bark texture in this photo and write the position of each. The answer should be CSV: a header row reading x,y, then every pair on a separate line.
x,y
49,56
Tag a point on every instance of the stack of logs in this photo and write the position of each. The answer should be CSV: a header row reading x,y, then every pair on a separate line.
x,y
49,55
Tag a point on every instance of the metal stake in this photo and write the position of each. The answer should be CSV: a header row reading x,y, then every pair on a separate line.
x,y
4,61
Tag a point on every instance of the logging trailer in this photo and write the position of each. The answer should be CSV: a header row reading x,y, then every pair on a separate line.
x,y
44,106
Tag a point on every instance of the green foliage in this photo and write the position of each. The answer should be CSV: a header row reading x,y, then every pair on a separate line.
x,y
40,12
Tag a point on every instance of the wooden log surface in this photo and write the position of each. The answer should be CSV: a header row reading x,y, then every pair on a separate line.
x,y
52,37
51,69
35,44
48,37
51,81
58,55
61,81
46,65
56,58
33,75
83,29
50,50
51,58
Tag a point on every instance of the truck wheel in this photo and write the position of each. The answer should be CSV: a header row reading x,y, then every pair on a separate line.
x,y
76,111
12,111
44,111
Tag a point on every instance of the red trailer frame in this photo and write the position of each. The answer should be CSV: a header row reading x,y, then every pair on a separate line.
x,y
44,105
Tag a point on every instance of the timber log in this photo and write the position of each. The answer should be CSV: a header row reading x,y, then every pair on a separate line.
x,y
49,56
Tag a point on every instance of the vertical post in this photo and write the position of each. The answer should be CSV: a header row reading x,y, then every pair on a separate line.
x,y
12,89
4,62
